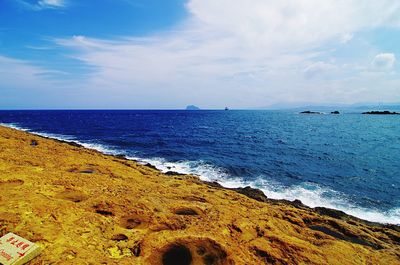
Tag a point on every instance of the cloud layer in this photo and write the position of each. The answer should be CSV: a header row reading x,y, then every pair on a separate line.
x,y
246,54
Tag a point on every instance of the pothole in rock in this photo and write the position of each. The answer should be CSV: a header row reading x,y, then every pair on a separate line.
x,y
72,195
133,221
177,255
104,209
12,183
87,171
119,237
187,210
104,212
186,251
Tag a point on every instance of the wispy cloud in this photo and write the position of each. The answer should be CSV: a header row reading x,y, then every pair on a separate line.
x,y
40,48
24,84
21,73
52,3
244,54
43,4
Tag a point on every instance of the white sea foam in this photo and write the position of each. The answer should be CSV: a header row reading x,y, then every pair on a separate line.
x,y
99,147
14,126
61,137
48,135
205,171
310,194
314,195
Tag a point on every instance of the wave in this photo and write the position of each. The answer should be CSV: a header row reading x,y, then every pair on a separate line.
x,y
89,144
311,194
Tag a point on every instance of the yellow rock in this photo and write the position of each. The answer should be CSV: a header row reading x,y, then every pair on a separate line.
x,y
84,207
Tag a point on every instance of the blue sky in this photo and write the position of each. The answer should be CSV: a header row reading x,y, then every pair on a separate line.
x,y
212,53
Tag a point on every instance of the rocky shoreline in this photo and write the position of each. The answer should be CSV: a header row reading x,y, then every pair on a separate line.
x,y
85,207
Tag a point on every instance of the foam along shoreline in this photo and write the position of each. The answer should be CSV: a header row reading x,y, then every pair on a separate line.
x,y
81,206
309,197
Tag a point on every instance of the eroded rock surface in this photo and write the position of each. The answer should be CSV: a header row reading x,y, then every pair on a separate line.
x,y
87,208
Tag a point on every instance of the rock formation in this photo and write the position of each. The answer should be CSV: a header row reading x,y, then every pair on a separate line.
x,y
84,207
386,112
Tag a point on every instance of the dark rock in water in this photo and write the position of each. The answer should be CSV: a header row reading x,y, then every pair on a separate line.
x,y
310,112
73,144
150,166
34,143
120,156
67,142
173,173
386,112
298,203
255,194
192,107
248,191
335,112
332,213
213,184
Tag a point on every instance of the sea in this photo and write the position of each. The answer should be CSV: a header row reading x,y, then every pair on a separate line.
x,y
349,162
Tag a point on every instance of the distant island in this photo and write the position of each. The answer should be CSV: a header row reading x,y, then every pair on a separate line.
x,y
317,112
310,112
192,107
386,112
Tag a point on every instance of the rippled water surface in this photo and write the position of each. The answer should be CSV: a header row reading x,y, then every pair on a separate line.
x,y
348,162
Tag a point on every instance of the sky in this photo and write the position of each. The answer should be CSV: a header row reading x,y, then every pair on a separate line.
x,y
157,54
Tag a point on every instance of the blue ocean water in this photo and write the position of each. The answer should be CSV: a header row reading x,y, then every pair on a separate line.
x,y
349,162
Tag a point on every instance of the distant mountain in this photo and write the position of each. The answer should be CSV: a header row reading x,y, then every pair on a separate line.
x,y
381,107
192,107
358,107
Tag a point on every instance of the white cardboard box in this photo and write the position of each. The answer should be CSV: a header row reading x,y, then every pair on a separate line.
x,y
15,250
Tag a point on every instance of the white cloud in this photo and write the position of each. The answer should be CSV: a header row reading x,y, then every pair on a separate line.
x,y
292,24
43,4
51,3
24,85
241,53
19,74
318,69
346,37
384,61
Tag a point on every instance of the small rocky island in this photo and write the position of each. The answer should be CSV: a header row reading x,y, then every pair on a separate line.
x,y
335,112
310,112
192,107
386,112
